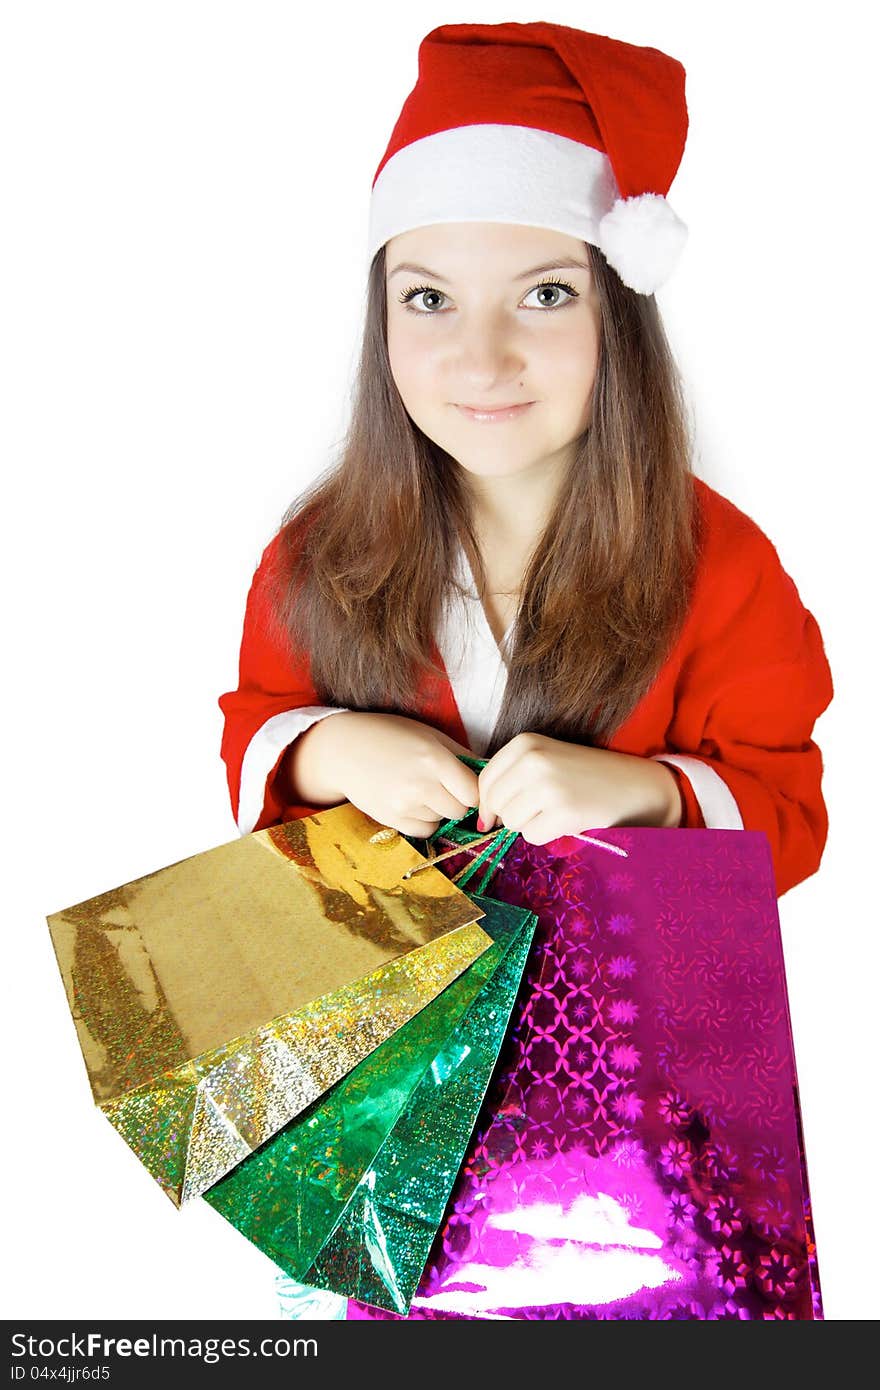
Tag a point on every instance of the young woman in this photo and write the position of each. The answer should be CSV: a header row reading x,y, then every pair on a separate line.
x,y
513,555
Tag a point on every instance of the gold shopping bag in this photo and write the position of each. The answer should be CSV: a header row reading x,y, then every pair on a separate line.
x,y
217,998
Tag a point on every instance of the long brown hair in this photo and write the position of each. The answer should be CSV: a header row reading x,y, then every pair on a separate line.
x,y
367,550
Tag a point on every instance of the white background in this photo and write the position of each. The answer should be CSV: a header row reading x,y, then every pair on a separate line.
x,y
183,258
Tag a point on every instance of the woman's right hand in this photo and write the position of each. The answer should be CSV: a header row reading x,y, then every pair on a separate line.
x,y
397,770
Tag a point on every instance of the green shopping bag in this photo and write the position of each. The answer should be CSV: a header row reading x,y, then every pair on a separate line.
x,y
350,1195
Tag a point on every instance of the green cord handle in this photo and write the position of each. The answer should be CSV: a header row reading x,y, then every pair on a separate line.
x,y
496,848
455,830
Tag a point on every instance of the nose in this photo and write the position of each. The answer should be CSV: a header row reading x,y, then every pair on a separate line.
x,y
487,356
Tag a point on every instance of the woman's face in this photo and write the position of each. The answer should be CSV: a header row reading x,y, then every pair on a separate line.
x,y
488,315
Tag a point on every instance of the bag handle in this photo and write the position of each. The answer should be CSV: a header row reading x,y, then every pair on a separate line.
x,y
496,842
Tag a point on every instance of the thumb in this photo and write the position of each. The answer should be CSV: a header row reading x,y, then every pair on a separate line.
x,y
457,777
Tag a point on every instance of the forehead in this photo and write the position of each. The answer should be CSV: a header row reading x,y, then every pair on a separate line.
x,y
458,249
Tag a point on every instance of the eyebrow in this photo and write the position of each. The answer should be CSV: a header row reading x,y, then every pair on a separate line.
x,y
563,263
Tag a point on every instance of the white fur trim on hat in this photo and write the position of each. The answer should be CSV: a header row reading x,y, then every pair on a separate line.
x,y
536,178
492,173
642,238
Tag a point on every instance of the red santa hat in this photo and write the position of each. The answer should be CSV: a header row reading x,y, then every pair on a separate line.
x,y
546,126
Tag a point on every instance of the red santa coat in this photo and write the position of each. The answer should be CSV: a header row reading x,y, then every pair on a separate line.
x,y
731,712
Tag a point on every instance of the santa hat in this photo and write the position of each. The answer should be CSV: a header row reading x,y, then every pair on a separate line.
x,y
546,126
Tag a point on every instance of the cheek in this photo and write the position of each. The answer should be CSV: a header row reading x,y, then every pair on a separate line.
x,y
575,363
412,364
413,367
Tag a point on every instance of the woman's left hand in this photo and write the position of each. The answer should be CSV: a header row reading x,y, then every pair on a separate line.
x,y
545,788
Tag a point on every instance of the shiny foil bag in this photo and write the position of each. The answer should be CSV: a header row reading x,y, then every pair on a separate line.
x,y
217,998
350,1195
639,1155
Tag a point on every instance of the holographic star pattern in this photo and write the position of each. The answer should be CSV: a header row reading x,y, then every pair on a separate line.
x,y
639,1153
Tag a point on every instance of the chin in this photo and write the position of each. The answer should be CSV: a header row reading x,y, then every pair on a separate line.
x,y
501,466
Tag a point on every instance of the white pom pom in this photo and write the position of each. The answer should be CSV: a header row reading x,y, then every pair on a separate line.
x,y
642,238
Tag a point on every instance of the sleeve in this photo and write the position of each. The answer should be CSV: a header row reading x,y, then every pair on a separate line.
x,y
691,810
749,694
274,703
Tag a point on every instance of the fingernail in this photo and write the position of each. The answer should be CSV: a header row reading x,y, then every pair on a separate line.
x,y
481,825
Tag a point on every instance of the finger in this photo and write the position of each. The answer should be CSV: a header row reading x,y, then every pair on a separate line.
x,y
498,766
509,785
448,807
460,782
416,827
542,829
520,809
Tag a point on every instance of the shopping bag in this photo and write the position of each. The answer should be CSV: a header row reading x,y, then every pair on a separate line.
x,y
639,1154
217,998
350,1195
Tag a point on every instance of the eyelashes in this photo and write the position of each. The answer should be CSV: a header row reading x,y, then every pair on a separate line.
x,y
415,290
406,295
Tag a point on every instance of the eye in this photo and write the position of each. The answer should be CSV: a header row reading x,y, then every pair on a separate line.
x,y
426,300
551,293
421,294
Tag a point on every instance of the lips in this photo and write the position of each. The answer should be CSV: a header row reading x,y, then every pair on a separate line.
x,y
488,414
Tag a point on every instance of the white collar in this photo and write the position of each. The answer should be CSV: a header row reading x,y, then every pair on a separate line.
x,y
473,659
